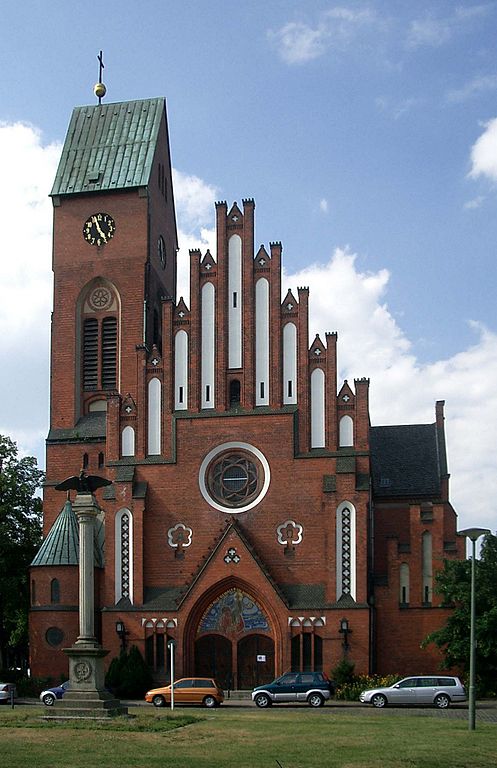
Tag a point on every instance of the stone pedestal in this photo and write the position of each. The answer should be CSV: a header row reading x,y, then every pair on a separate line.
x,y
87,696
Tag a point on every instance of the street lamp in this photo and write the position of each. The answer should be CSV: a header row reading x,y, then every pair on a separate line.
x,y
473,534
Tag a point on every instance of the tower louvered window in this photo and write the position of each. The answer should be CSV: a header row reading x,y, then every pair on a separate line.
x,y
109,352
99,342
90,354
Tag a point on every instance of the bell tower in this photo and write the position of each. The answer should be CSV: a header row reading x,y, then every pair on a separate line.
x,y
114,252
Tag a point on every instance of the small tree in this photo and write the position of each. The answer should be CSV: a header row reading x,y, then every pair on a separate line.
x,y
128,675
20,538
454,583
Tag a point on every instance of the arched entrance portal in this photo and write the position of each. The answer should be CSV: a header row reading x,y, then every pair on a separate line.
x,y
234,642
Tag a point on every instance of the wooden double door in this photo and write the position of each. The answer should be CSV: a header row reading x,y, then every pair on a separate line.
x,y
237,664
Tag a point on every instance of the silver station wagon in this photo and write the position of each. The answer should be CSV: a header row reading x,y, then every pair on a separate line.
x,y
433,690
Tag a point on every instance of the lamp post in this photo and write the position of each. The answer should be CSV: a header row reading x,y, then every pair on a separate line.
x,y
473,534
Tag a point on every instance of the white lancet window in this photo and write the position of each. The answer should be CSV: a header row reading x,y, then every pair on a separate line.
x,y
154,417
289,364
427,567
208,348
346,431
262,342
128,441
181,371
404,583
346,550
317,409
124,555
235,302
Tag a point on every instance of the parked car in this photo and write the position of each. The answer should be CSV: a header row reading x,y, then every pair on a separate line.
x,y
437,691
49,695
188,690
311,687
5,692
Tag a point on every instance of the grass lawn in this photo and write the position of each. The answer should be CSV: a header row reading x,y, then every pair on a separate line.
x,y
246,738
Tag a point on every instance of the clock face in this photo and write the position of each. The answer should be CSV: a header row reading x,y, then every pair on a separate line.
x,y
99,229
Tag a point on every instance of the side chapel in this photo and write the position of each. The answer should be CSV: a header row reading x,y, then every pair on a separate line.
x,y
255,517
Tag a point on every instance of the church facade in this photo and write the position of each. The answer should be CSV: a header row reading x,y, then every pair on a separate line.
x,y
255,515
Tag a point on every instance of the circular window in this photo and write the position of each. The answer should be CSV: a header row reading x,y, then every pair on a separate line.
x,y
54,636
234,477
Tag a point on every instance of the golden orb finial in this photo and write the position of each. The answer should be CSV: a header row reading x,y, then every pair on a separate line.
x,y
99,90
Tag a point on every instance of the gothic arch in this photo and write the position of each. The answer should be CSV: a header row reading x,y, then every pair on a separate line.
x,y
208,598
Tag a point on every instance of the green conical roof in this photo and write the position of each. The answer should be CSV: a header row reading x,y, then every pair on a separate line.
x,y
62,543
61,547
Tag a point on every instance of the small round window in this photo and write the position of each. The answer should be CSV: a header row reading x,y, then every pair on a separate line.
x,y
54,636
234,477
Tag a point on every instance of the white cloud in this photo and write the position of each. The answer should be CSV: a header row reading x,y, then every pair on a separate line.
x,y
397,109
28,169
480,84
435,31
298,42
323,205
484,153
194,200
476,202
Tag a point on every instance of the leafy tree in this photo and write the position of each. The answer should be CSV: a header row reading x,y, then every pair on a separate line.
x,y
20,537
454,583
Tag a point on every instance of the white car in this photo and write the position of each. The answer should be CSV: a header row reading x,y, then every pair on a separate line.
x,y
437,691
5,692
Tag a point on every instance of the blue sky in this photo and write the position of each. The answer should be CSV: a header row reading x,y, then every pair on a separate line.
x,y
365,131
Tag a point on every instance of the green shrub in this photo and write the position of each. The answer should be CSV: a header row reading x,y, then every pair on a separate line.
x,y
343,673
128,676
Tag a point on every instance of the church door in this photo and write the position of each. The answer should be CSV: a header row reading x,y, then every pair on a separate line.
x,y
255,661
213,659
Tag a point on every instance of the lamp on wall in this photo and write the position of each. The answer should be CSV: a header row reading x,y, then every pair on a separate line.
x,y
345,630
121,632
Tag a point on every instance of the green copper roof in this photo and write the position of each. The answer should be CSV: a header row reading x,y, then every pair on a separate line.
x,y
61,547
109,147
62,543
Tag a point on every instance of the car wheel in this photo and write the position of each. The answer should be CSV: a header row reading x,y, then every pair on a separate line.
x,y
442,701
262,700
315,700
379,700
49,699
209,701
159,701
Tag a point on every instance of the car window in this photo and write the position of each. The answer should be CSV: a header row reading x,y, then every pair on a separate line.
x,y
409,682
287,680
427,682
201,682
183,684
445,681
306,678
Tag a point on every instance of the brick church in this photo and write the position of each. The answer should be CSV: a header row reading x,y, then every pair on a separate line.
x,y
255,516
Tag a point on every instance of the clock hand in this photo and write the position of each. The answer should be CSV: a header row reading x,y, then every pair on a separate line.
x,y
95,221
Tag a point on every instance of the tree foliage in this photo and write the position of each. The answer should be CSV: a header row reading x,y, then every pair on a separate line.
x,y
128,676
454,583
20,537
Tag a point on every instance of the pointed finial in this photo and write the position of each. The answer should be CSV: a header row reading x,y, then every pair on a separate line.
x,y
99,89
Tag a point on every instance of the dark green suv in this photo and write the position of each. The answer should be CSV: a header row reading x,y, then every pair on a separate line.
x,y
311,687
